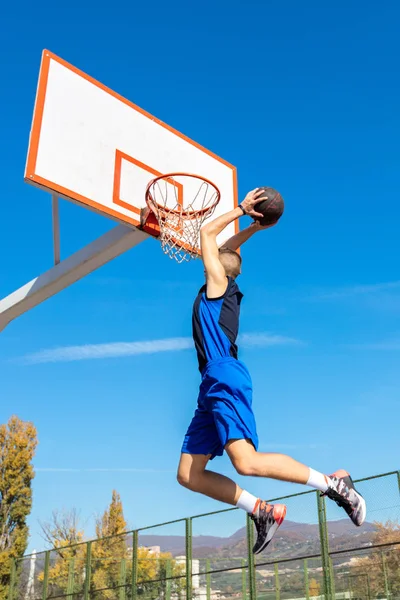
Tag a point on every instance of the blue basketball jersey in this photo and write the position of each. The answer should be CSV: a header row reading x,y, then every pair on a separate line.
x,y
215,324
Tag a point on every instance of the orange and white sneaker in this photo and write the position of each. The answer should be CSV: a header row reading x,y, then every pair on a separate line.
x,y
267,518
342,491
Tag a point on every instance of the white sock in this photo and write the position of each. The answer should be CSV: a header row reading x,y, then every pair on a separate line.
x,y
319,481
247,502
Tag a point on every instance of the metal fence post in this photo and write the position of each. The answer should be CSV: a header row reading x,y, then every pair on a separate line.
x,y
88,571
250,559
277,585
71,579
398,479
208,579
385,577
135,544
323,535
244,580
13,578
122,580
46,574
168,575
306,582
188,544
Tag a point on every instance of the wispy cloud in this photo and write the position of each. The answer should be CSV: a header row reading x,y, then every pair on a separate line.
x,y
254,340
356,290
122,349
112,350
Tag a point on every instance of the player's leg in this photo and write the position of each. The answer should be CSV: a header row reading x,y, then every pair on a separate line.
x,y
193,475
339,486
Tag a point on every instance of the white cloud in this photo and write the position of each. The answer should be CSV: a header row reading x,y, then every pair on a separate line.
x,y
121,349
253,340
112,350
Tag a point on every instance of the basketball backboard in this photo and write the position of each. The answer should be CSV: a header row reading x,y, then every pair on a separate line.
x,y
96,148
90,145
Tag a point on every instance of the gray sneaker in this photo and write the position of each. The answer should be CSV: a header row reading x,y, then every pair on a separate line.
x,y
267,518
343,492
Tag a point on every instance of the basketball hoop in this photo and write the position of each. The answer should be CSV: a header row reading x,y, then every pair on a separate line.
x,y
181,202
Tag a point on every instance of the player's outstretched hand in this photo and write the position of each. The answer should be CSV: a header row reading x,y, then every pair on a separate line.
x,y
250,201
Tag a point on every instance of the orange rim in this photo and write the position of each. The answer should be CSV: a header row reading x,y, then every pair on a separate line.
x,y
188,214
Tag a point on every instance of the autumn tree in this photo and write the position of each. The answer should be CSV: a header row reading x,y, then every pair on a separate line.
x,y
18,441
64,536
314,588
111,558
110,550
378,573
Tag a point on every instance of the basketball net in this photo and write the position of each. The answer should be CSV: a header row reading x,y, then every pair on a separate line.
x,y
181,203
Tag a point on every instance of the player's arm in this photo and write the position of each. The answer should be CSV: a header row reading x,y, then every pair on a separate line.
x,y
242,236
215,272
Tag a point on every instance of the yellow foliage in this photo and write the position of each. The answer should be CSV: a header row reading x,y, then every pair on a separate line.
x,y
18,441
314,588
368,573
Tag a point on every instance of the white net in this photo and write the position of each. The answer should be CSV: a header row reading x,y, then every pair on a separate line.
x,y
181,204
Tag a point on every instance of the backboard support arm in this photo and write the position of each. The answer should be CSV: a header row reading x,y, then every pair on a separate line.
x,y
56,229
96,254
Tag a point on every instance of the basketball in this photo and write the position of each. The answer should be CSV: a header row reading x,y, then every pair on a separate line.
x,y
271,206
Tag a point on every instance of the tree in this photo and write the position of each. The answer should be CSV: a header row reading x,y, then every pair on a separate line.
x,y
376,575
110,550
111,558
314,587
65,537
18,441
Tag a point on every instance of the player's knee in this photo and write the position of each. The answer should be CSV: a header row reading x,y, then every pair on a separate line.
x,y
183,478
245,466
188,479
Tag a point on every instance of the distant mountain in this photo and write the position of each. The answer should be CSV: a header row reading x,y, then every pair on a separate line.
x,y
293,539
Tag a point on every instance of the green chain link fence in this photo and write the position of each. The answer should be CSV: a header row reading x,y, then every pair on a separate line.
x,y
318,556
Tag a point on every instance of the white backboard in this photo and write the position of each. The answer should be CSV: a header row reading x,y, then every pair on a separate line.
x,y
90,145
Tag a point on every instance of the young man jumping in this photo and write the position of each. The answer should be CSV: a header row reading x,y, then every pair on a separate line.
x,y
224,418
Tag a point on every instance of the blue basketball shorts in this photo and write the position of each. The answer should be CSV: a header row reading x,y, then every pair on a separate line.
x,y
224,409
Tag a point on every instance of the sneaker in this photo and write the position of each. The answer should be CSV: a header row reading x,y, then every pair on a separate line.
x,y
342,491
267,518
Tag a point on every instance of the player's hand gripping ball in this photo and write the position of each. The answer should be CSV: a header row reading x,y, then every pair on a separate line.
x,y
271,205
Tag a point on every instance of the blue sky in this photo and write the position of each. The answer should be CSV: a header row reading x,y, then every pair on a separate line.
x,y
302,97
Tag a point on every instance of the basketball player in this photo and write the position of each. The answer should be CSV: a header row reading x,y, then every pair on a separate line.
x,y
224,417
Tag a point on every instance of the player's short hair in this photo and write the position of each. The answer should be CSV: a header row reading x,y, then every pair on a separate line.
x,y
231,261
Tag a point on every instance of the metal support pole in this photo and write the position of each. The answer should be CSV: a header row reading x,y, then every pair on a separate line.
x,y
88,571
244,580
122,580
306,581
135,544
46,574
277,584
56,228
385,577
368,587
323,534
208,579
71,579
13,578
188,540
168,575
250,559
